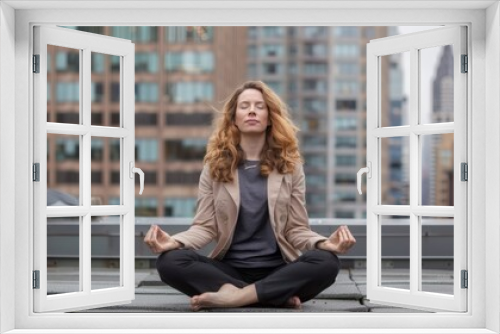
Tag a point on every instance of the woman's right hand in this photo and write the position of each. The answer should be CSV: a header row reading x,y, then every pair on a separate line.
x,y
159,241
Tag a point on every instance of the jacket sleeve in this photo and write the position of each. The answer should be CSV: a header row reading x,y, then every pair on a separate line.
x,y
204,227
298,231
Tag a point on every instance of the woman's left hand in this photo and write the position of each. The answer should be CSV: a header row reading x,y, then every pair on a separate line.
x,y
339,242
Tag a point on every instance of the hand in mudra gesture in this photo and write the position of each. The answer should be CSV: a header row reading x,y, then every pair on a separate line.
x,y
339,242
160,241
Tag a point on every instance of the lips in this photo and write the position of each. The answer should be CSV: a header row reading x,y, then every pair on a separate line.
x,y
252,121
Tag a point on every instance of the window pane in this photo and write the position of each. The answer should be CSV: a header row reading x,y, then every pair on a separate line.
x,y
63,90
395,89
436,84
395,171
437,169
104,67
105,155
63,255
105,252
395,251
437,254
63,170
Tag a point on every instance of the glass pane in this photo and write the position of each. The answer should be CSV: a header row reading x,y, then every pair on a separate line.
x,y
105,71
437,169
105,155
436,84
63,255
63,170
394,89
437,254
395,170
395,251
63,85
106,246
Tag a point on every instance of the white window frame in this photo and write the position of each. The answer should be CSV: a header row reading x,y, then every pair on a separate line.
x,y
483,21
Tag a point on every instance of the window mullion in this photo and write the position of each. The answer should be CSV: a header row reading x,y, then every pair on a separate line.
x,y
414,169
85,170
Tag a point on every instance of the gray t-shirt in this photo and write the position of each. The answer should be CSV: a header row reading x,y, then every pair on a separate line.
x,y
254,244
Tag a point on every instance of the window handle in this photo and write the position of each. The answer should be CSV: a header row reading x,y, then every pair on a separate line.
x,y
367,170
133,170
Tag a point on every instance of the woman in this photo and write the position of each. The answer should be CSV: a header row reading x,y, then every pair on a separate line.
x,y
251,202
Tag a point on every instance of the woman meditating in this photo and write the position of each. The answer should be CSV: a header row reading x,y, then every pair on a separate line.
x,y
251,202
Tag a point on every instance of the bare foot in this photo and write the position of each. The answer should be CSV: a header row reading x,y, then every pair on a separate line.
x,y
293,302
225,297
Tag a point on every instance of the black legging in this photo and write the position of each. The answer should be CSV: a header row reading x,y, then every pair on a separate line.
x,y
194,274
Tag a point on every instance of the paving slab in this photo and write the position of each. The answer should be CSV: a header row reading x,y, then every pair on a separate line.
x,y
343,290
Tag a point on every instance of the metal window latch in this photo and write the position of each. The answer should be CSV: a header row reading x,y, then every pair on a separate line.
x,y
368,171
133,170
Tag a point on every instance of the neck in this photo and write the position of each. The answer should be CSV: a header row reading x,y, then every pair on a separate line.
x,y
252,146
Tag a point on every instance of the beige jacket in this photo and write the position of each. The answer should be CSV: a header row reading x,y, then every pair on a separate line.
x,y
217,212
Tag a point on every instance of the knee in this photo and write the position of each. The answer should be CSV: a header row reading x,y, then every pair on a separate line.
x,y
168,263
328,263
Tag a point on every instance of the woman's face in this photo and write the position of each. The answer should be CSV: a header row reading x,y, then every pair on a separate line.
x,y
251,112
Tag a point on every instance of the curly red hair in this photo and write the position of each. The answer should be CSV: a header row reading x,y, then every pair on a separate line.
x,y
280,151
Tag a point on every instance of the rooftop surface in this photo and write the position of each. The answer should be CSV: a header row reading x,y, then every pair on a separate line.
x,y
347,294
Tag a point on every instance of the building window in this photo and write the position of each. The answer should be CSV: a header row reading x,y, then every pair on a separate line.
x,y
96,91
271,68
318,161
269,32
114,149
315,50
314,32
345,178
315,106
316,180
146,119
345,142
192,149
344,196
271,50
313,141
96,177
146,150
96,152
346,87
182,178
344,214
146,207
349,69
189,34
149,178
315,68
68,117
69,177
345,160
276,86
184,119
67,61
67,92
346,51
145,92
346,31
136,34
97,62
345,104
190,92
179,207
316,86
146,62
346,123
252,71
67,149
190,62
